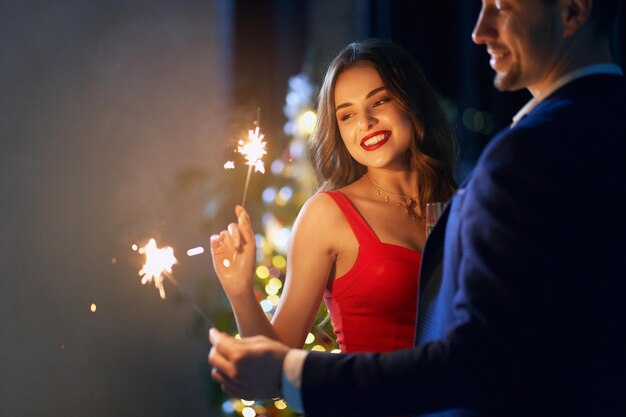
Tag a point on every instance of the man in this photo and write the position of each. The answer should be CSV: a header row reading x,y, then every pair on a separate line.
x,y
526,318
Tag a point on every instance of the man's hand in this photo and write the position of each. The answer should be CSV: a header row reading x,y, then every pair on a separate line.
x,y
250,368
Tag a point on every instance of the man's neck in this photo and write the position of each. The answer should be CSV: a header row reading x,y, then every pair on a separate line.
x,y
578,54
595,68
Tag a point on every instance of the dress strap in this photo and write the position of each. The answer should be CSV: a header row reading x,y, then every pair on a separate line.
x,y
359,226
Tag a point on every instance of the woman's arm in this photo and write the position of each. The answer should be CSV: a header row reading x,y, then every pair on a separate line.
x,y
310,260
312,256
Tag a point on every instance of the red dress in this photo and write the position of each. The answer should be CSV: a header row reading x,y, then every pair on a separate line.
x,y
373,305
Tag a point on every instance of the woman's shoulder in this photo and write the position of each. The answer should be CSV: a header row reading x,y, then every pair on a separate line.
x,y
318,205
324,205
320,212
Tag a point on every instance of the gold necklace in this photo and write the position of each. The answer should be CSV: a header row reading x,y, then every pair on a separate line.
x,y
408,204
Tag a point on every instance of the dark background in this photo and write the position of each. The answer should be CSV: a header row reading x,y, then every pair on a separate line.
x,y
115,120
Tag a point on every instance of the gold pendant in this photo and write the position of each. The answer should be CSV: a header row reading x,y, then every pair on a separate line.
x,y
406,203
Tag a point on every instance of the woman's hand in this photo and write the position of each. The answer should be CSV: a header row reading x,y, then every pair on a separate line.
x,y
234,255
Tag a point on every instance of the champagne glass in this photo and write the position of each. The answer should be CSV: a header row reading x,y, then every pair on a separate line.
x,y
433,211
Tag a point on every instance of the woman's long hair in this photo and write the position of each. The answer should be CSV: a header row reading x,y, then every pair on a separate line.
x,y
434,149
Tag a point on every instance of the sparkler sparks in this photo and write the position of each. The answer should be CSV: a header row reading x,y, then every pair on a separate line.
x,y
195,251
159,261
253,149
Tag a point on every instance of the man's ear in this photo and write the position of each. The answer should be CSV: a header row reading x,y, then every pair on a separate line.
x,y
575,14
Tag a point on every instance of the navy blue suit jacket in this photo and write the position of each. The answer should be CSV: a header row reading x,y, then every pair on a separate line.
x,y
521,306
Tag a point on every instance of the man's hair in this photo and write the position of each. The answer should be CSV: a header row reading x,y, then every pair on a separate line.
x,y
603,14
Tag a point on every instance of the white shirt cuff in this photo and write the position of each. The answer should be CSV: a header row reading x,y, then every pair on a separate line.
x,y
292,378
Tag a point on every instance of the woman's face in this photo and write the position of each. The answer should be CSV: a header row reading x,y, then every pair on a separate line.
x,y
374,130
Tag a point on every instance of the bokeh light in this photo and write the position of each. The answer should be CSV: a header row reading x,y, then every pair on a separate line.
x,y
277,167
306,122
271,290
262,271
280,404
275,283
248,412
274,299
279,261
269,195
266,305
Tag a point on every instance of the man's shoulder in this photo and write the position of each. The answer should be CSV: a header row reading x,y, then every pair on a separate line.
x,y
591,89
577,106
578,118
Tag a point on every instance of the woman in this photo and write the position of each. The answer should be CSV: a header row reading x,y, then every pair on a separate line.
x,y
381,149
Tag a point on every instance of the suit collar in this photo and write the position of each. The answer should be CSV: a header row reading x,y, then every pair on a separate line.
x,y
594,69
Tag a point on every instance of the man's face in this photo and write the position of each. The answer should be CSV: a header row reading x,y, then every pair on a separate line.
x,y
522,38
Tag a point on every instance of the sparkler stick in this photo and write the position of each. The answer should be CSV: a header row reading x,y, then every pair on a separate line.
x,y
184,293
253,150
245,190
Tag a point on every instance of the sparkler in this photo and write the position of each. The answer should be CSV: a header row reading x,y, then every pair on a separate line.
x,y
253,150
159,262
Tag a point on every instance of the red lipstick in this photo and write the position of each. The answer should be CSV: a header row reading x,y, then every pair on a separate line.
x,y
379,137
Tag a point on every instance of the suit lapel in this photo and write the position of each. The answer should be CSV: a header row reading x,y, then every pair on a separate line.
x,y
431,267
430,317
433,249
